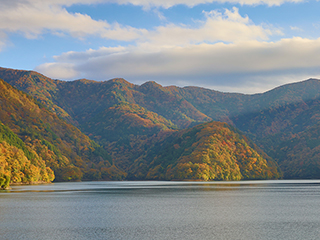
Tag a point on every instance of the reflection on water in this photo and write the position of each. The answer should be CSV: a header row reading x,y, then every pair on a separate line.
x,y
162,210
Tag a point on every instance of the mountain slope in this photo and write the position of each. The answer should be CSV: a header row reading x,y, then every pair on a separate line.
x,y
18,163
37,85
121,116
83,99
299,155
67,151
289,134
209,151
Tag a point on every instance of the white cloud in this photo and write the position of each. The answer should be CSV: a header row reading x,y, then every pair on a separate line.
x,y
59,71
159,14
80,56
228,26
166,51
246,66
34,17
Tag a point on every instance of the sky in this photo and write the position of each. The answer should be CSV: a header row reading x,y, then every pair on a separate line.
x,y
246,46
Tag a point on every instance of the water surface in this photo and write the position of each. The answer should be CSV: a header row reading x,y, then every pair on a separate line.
x,y
162,210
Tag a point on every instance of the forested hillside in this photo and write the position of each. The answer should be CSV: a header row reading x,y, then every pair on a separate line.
x,y
36,85
48,142
290,135
18,163
128,119
209,151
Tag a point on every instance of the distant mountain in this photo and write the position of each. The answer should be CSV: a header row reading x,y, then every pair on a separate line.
x,y
128,119
288,133
48,142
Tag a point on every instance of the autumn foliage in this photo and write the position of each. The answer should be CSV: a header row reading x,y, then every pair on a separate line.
x,y
35,142
135,123
210,151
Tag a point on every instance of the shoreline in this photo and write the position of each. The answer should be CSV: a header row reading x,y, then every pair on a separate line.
x,y
30,183
25,183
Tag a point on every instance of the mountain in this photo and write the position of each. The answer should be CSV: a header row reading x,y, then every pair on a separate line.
x,y
283,122
289,134
127,119
82,99
209,151
95,107
48,142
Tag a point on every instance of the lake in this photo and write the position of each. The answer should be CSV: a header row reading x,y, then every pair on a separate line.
x,y
277,209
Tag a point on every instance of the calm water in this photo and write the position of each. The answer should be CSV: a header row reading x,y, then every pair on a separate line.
x,y
162,210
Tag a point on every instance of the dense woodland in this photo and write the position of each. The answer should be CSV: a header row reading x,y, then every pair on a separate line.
x,y
209,151
34,138
88,130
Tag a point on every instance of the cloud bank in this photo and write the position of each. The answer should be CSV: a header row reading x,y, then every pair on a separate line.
x,y
220,66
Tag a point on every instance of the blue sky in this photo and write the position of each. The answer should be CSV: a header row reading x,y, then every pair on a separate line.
x,y
246,46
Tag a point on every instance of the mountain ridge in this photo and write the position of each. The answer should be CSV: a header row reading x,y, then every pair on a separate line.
x,y
92,104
